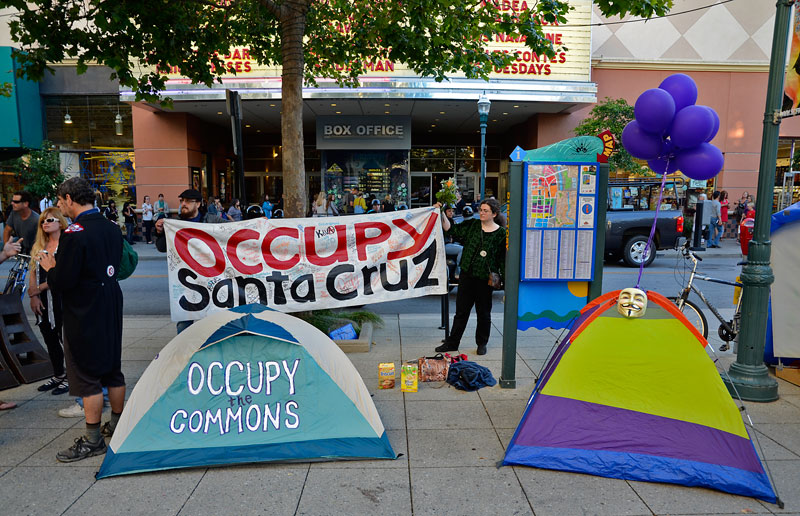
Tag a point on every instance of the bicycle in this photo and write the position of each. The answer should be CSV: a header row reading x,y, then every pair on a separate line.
x,y
18,275
727,330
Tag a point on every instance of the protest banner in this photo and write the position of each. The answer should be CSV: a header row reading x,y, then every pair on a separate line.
x,y
304,264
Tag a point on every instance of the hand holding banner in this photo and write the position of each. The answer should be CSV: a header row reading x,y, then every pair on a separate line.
x,y
304,264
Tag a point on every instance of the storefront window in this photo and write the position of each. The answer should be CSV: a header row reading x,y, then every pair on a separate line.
x,y
376,173
111,174
787,170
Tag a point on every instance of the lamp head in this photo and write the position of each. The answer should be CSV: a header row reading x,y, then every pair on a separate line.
x,y
632,303
483,105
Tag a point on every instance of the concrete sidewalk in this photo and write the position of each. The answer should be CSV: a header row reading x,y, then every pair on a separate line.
x,y
450,441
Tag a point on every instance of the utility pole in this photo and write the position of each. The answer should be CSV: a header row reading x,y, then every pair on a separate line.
x,y
749,377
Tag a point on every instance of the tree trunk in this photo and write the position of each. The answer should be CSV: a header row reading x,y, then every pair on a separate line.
x,y
293,28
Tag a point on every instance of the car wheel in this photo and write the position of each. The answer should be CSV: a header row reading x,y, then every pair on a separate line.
x,y
633,252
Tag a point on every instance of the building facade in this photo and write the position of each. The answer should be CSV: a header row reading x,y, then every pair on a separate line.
x,y
400,135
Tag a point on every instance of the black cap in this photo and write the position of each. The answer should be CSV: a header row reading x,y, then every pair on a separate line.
x,y
191,194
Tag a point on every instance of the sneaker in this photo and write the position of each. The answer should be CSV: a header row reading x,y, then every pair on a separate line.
x,y
61,389
50,384
74,410
82,449
106,430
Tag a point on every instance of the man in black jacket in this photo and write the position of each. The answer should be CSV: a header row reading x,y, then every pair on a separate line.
x,y
84,272
189,201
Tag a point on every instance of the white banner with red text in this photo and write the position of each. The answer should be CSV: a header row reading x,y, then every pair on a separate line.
x,y
304,264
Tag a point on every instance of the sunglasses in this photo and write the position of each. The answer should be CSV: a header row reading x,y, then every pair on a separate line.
x,y
49,220
15,201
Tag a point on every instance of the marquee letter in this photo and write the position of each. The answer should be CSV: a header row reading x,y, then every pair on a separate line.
x,y
192,368
228,389
266,249
233,251
182,238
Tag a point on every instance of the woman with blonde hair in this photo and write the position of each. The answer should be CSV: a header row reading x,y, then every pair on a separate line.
x,y
318,208
45,303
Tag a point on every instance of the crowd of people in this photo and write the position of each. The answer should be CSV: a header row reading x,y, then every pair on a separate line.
x,y
75,253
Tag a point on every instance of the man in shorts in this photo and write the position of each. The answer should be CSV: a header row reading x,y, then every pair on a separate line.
x,y
89,254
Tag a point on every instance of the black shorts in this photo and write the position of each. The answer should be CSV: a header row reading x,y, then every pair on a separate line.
x,y
83,384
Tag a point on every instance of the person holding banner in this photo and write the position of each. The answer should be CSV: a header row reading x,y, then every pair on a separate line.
x,y
484,252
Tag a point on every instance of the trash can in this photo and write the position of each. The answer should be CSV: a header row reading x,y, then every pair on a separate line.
x,y
746,233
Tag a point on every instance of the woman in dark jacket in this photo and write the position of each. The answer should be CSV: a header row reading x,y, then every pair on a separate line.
x,y
130,221
111,211
484,252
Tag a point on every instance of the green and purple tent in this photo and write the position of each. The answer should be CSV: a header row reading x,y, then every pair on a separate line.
x,y
638,399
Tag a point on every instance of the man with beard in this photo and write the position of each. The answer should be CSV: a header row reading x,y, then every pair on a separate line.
x,y
84,273
189,211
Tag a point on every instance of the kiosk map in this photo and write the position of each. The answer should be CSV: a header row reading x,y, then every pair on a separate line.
x,y
552,196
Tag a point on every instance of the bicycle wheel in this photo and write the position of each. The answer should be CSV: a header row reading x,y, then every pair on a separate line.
x,y
694,314
10,281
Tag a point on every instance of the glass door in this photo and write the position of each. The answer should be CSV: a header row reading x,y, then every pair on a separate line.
x,y
420,190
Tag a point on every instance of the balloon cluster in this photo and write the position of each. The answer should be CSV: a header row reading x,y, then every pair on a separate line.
x,y
671,133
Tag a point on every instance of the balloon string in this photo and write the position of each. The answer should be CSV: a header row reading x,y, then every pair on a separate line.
x,y
653,228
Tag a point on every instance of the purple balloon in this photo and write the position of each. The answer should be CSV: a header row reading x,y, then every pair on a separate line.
x,y
661,165
654,110
702,162
682,88
668,150
716,124
640,144
691,126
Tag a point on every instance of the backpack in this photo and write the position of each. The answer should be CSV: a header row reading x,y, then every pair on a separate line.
x,y
128,262
469,376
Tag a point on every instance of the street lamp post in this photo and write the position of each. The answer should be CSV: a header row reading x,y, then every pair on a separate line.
x,y
483,112
749,376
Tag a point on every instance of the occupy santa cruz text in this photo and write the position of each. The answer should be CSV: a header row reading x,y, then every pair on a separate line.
x,y
276,267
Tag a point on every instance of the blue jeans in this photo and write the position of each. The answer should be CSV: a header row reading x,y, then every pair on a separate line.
x,y
129,227
715,230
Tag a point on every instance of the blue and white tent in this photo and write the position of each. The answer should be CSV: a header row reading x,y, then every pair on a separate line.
x,y
246,385
782,342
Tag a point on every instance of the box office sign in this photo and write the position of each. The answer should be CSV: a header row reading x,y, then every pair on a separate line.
x,y
364,132
304,264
